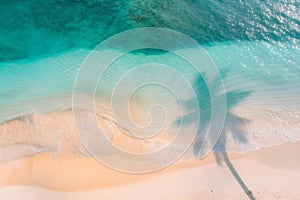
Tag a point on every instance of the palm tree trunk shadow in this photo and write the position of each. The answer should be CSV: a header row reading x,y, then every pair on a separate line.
x,y
237,176
233,125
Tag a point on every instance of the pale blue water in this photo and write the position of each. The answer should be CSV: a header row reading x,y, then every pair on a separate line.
x,y
43,43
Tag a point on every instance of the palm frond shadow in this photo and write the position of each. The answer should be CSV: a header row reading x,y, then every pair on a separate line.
x,y
233,124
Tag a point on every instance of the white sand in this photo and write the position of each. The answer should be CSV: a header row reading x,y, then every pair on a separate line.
x,y
271,173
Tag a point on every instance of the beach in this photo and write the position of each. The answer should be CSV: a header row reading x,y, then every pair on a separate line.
x,y
270,173
134,99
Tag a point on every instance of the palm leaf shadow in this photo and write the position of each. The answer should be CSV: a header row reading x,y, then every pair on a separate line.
x,y
233,124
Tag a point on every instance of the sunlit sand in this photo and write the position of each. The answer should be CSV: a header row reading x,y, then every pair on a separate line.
x,y
271,173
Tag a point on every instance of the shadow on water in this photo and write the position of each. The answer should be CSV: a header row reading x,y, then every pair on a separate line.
x,y
233,124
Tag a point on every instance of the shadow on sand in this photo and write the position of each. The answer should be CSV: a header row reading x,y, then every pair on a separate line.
x,y
233,124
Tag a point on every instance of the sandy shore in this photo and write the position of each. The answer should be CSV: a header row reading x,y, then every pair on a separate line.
x,y
271,173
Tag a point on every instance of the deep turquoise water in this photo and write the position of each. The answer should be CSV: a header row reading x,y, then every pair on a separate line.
x,y
43,43
34,28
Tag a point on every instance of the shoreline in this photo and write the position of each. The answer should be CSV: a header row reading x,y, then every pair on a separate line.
x,y
56,133
271,172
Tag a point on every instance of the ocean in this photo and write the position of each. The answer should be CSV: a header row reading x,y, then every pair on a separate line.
x,y
254,45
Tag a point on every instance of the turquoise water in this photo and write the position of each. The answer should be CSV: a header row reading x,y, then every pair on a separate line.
x,y
255,44
34,28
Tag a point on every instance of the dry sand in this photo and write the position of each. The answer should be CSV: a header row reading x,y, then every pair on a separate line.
x,y
271,173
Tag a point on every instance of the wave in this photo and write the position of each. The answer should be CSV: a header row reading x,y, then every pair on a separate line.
x,y
56,134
